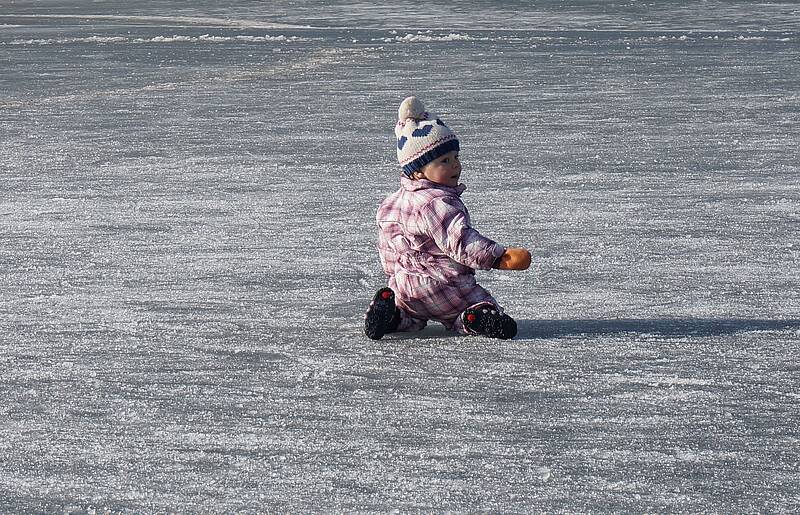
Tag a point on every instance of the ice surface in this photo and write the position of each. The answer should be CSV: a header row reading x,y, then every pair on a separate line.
x,y
187,248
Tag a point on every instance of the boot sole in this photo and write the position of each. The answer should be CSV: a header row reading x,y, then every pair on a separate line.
x,y
380,314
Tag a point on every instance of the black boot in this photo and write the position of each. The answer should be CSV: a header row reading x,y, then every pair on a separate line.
x,y
487,320
383,316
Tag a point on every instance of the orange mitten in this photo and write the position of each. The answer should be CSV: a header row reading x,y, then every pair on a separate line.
x,y
514,258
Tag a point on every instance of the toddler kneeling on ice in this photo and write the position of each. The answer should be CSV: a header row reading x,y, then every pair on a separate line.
x,y
427,246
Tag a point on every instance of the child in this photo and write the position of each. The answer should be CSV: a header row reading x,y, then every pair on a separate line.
x,y
426,244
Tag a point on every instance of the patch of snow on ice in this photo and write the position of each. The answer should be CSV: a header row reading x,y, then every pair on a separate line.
x,y
428,37
660,380
205,38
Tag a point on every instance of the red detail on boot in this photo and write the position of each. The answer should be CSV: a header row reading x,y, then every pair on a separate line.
x,y
471,317
386,295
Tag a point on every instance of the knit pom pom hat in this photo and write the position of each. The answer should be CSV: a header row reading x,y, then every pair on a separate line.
x,y
421,137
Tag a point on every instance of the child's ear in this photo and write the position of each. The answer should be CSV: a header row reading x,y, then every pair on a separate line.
x,y
418,175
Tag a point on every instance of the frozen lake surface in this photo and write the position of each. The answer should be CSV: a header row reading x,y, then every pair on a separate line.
x,y
187,248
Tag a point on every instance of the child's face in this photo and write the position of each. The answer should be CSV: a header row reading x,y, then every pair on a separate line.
x,y
443,170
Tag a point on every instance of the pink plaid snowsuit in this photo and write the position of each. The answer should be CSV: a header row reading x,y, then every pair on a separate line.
x,y
430,253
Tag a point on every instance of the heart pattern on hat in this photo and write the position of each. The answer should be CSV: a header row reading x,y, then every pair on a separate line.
x,y
401,142
422,131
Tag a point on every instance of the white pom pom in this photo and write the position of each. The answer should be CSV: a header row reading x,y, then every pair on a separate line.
x,y
412,108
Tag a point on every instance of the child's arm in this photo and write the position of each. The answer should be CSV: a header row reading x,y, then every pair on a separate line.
x,y
448,226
